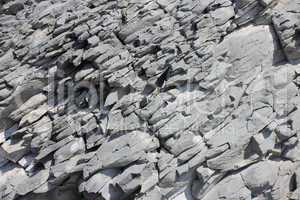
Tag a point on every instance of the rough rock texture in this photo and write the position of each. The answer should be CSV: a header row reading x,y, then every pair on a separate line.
x,y
149,99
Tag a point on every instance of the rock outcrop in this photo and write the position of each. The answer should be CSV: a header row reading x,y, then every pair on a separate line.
x,y
149,100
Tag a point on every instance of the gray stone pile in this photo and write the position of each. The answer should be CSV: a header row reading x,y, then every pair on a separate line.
x,y
150,99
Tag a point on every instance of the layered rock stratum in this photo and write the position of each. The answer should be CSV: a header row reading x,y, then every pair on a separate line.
x,y
149,99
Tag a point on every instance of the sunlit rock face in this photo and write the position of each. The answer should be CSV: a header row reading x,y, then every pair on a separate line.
x,y
149,100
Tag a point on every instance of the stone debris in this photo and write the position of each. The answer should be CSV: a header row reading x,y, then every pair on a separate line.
x,y
149,100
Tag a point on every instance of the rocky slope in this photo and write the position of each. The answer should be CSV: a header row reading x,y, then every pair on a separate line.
x,y
149,99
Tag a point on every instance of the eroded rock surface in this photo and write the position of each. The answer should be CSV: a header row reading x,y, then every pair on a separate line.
x,y
149,100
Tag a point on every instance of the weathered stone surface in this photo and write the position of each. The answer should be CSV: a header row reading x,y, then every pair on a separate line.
x,y
149,100
14,150
121,151
28,184
257,181
28,106
220,189
286,25
67,151
99,181
53,147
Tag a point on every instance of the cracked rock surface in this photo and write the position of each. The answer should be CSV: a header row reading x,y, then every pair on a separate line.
x,y
149,99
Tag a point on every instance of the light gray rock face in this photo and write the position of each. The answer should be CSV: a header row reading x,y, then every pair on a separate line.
x,y
149,100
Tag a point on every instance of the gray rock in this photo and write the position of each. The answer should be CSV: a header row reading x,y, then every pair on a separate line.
x,y
6,134
265,141
73,165
76,146
99,181
285,175
246,55
285,24
28,184
42,130
222,15
183,142
14,150
238,138
51,148
121,151
28,106
257,181
248,10
136,176
65,127
265,2
34,115
204,174
237,189
10,174
153,194
26,160
13,7
200,189
154,99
